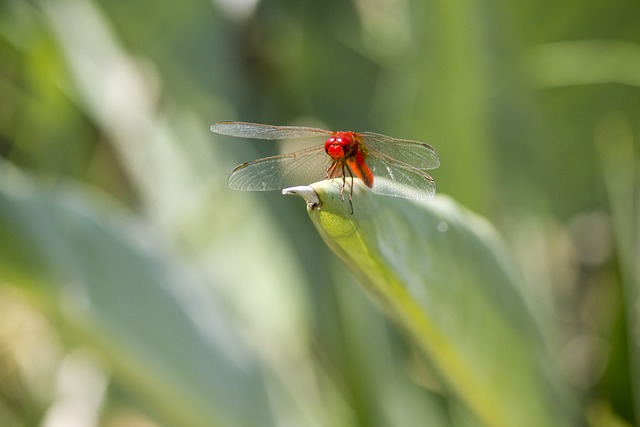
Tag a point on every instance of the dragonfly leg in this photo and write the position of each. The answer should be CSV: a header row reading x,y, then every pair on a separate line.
x,y
351,195
347,169
344,182
331,171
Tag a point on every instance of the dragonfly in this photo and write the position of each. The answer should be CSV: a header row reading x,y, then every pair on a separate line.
x,y
387,166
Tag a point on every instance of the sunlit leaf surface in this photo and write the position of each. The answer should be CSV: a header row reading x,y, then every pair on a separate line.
x,y
442,273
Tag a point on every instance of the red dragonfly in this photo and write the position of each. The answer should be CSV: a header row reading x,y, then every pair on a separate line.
x,y
388,166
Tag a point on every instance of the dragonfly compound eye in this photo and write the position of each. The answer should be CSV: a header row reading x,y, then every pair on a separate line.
x,y
342,145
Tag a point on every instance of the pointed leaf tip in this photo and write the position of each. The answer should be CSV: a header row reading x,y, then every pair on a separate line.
x,y
306,192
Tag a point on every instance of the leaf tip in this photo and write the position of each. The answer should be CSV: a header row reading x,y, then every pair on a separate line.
x,y
306,192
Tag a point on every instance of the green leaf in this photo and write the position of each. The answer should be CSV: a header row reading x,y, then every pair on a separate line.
x,y
442,273
115,287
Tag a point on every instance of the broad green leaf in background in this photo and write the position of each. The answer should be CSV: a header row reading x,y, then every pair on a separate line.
x,y
115,287
442,273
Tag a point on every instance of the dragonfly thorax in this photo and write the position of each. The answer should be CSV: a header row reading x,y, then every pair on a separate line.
x,y
342,145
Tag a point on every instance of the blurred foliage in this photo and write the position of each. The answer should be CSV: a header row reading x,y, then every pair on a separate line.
x,y
135,286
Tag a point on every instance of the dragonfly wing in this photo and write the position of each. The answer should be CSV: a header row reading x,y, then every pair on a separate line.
x,y
260,131
420,155
277,172
398,179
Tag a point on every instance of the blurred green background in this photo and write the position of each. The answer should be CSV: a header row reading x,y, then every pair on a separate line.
x,y
136,289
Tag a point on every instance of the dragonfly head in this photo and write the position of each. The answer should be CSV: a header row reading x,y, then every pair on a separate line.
x,y
342,145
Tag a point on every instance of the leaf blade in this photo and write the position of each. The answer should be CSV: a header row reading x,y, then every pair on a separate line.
x,y
440,272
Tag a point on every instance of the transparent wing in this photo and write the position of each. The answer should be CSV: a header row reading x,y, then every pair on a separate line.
x,y
275,173
260,131
420,155
398,179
